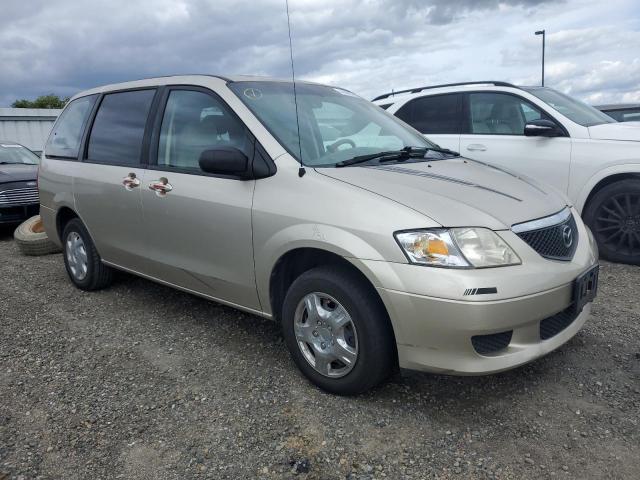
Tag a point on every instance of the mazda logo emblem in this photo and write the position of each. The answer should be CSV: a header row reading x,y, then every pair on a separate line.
x,y
567,236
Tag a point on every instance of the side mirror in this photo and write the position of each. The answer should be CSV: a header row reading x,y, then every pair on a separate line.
x,y
224,161
542,128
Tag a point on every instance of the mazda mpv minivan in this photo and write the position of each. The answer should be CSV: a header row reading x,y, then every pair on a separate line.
x,y
371,246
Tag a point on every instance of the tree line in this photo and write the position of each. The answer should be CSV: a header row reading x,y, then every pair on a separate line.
x,y
43,101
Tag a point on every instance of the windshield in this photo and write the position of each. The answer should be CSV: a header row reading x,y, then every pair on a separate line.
x,y
571,108
12,153
335,125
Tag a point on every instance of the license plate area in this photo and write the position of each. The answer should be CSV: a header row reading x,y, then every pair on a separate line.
x,y
585,288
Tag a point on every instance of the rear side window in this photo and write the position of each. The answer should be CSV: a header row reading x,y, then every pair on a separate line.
x,y
64,140
438,114
118,129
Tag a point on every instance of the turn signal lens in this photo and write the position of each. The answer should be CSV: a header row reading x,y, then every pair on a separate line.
x,y
431,247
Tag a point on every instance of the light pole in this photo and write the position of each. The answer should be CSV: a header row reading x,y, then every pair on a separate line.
x,y
541,32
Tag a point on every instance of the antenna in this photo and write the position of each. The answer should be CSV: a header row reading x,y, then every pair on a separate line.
x,y
301,170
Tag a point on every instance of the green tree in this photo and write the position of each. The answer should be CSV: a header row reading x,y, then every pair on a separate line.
x,y
43,101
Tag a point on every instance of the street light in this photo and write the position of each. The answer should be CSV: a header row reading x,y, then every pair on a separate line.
x,y
541,32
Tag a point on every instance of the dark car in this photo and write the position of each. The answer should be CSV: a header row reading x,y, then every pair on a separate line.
x,y
622,112
18,187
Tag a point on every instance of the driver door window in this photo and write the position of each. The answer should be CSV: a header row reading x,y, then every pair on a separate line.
x,y
500,114
193,122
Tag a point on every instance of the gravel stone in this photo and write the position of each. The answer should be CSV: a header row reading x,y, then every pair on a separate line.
x,y
140,381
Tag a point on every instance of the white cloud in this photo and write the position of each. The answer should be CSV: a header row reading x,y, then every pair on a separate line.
x,y
368,46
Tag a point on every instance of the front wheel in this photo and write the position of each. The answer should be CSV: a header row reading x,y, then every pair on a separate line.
x,y
337,331
613,214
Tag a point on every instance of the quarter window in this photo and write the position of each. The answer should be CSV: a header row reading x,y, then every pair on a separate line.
x,y
193,122
64,140
438,114
500,114
118,129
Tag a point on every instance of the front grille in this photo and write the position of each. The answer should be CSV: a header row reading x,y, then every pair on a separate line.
x,y
484,344
557,241
19,196
553,325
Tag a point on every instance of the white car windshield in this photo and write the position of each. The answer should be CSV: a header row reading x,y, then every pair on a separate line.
x,y
13,153
335,125
571,108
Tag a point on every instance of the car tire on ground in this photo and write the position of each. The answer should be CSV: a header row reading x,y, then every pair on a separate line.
x,y
32,239
81,259
613,214
334,322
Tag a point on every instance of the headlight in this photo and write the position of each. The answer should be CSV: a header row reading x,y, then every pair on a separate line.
x,y
457,247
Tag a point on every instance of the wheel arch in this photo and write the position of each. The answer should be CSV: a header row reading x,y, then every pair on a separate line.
x,y
63,216
295,262
603,181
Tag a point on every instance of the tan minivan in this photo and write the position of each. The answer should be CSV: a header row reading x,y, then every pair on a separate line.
x,y
374,248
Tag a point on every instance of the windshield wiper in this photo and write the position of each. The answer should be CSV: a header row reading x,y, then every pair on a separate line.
x,y
400,155
444,150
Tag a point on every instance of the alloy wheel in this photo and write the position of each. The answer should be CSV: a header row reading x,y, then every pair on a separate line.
x,y
617,223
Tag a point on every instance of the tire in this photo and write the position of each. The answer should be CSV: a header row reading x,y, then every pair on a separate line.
x,y
32,239
88,275
613,214
375,348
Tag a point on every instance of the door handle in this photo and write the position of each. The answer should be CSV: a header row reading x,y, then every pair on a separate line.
x,y
476,147
161,186
130,181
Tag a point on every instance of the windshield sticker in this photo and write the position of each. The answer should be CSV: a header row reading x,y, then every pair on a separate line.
x,y
253,93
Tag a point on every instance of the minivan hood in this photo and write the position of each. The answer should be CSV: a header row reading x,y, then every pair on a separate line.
x,y
457,192
629,131
18,172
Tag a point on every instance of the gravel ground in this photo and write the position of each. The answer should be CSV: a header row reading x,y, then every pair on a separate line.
x,y
141,381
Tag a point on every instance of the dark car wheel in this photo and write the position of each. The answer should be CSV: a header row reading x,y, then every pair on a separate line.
x,y
613,214
84,265
337,331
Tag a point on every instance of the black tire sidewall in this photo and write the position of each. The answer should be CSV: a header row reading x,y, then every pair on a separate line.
x,y
591,213
376,344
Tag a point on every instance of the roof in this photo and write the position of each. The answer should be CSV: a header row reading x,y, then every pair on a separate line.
x,y
444,85
28,113
27,126
617,106
182,79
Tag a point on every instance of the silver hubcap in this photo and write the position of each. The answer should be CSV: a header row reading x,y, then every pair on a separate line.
x,y
326,335
76,256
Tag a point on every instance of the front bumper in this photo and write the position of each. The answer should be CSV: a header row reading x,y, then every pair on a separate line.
x,y
18,213
438,334
525,309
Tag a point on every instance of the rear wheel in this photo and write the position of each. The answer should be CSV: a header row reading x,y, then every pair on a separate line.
x,y
613,214
337,331
81,259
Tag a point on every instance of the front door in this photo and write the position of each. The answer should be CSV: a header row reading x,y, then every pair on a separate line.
x,y
198,226
496,135
108,182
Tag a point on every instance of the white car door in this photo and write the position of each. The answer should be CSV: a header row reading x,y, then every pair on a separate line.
x,y
495,126
437,117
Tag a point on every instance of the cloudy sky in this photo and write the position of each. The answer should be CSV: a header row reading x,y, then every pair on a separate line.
x,y
368,46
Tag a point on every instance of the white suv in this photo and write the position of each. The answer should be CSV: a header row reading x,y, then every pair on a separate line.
x,y
541,133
